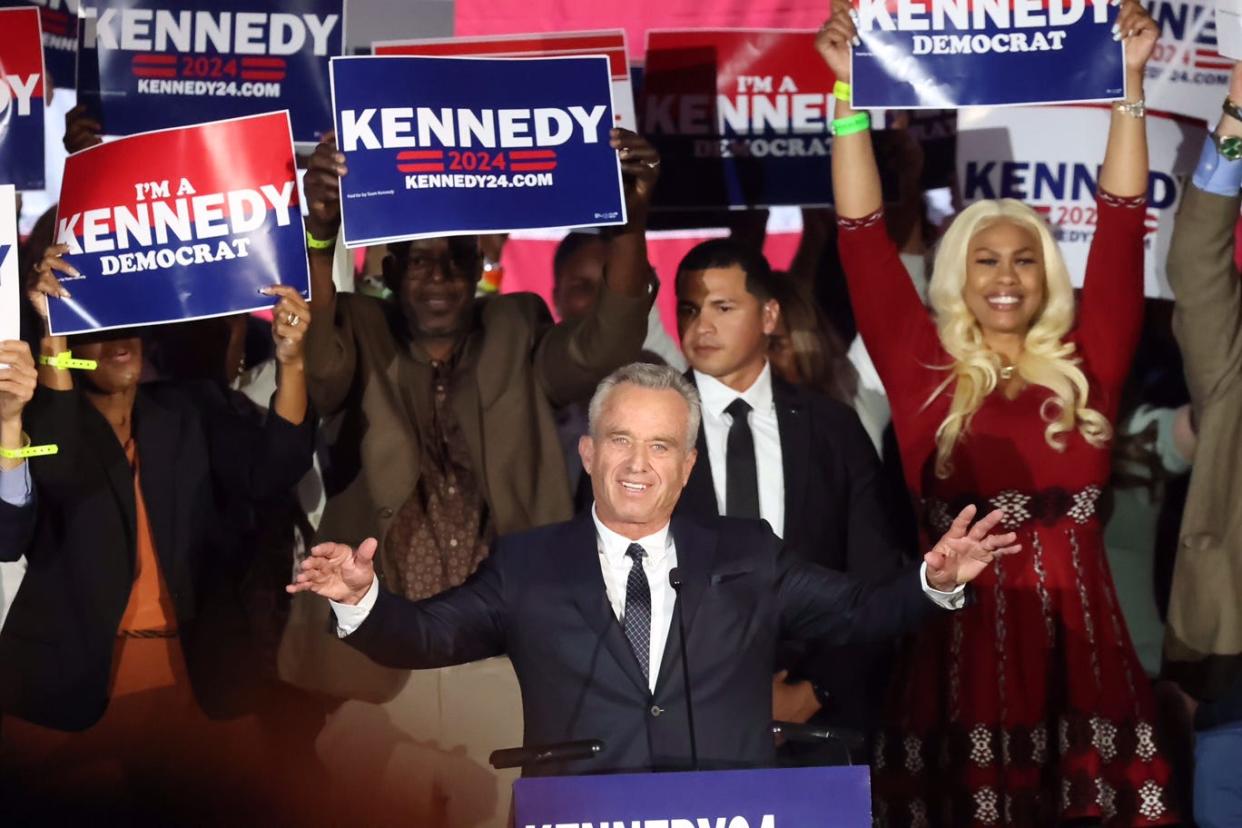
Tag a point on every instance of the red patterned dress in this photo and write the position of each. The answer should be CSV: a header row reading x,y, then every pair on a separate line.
x,y
1028,707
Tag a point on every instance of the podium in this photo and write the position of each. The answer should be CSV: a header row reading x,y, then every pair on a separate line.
x,y
828,797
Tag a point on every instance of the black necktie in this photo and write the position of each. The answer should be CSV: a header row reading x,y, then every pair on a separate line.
x,y
741,476
637,618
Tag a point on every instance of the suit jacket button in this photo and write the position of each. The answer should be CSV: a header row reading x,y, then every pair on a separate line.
x,y
385,513
656,710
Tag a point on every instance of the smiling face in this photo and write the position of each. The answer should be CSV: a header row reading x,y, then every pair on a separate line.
x,y
434,283
1005,278
119,358
639,458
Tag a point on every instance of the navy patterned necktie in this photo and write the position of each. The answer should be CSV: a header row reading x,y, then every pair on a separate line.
x,y
636,620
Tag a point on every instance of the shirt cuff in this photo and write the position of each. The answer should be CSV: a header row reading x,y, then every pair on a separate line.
x,y
954,600
1215,174
349,617
15,485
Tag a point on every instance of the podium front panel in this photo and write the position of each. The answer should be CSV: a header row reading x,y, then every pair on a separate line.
x,y
834,797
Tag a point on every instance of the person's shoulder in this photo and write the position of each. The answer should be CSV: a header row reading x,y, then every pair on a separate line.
x,y
540,538
726,532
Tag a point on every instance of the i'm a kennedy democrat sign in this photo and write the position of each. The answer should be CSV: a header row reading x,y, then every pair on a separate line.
x,y
164,226
21,99
942,54
154,64
442,146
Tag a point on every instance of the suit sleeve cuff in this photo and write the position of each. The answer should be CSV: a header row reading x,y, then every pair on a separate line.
x,y
1215,174
954,600
15,485
349,617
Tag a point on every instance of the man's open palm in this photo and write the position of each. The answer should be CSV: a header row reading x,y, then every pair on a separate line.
x,y
964,551
338,572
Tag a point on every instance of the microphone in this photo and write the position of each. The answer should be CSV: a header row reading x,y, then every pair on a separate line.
x,y
543,754
850,740
674,580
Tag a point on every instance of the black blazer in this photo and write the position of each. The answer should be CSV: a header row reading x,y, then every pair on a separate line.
x,y
207,462
540,598
837,515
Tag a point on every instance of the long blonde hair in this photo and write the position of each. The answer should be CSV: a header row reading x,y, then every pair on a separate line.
x,y
1047,360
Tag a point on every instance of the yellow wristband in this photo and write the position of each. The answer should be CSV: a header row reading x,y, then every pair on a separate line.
x,y
319,244
841,91
64,361
28,450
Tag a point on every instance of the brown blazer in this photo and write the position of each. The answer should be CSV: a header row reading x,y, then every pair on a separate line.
x,y
1203,644
526,367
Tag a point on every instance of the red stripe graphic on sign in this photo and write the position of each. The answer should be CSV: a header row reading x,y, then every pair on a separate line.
x,y
430,161
532,160
255,75
1210,59
263,62
155,66
155,60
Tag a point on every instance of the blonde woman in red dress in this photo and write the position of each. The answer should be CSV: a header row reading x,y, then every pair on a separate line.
x,y
1029,707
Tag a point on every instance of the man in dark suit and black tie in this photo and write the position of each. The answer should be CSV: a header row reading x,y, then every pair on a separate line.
x,y
584,608
793,457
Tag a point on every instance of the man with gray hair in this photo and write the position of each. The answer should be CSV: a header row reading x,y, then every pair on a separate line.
x,y
584,608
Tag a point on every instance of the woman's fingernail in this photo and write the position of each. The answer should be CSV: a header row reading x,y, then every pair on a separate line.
x,y
1116,28
857,40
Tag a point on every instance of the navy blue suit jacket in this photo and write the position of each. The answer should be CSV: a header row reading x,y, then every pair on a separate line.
x,y
540,598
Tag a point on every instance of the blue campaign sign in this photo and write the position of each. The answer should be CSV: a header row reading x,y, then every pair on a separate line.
x,y
447,145
152,64
943,54
837,797
164,226
21,99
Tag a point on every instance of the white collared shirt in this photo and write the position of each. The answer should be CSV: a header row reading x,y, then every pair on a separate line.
x,y
769,463
659,561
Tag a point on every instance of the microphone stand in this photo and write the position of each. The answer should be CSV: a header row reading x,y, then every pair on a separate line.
x,y
674,580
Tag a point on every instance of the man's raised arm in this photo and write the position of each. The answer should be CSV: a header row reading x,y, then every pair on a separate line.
x,y
461,625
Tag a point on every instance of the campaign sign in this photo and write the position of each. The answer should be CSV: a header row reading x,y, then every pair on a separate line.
x,y
441,146
60,36
21,99
153,64
1049,157
10,283
833,797
1186,74
180,224
551,44
741,118
940,54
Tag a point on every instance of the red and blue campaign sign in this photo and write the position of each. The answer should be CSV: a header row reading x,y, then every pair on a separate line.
x,y
154,64
941,54
60,37
180,224
441,146
21,99
741,118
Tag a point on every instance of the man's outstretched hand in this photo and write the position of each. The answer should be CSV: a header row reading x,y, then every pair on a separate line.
x,y
335,571
964,551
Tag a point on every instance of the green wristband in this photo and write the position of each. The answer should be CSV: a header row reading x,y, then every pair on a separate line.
x,y
858,122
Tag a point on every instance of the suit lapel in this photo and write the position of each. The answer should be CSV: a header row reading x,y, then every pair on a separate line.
x,y
161,434
696,553
699,496
794,422
580,562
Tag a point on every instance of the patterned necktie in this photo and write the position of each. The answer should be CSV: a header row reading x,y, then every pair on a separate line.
x,y
637,618
741,476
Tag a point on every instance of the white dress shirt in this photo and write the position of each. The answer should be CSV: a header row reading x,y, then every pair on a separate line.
x,y
769,463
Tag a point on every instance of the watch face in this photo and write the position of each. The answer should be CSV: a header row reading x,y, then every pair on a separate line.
x,y
1231,148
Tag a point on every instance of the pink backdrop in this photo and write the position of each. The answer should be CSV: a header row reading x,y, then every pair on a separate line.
x,y
528,264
